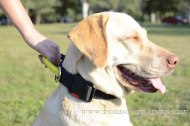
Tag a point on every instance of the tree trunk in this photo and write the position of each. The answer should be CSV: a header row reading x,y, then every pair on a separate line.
x,y
85,8
38,19
153,17
189,14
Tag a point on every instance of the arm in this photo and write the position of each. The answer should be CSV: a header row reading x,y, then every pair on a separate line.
x,y
20,19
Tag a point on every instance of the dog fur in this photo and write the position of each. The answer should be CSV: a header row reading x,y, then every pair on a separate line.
x,y
98,44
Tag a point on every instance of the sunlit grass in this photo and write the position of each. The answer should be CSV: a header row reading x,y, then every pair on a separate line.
x,y
25,84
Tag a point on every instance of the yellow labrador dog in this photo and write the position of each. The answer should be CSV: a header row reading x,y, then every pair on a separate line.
x,y
112,51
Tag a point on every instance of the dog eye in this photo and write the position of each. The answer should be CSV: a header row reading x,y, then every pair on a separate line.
x,y
134,38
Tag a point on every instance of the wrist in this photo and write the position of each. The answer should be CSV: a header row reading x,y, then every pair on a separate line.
x,y
32,38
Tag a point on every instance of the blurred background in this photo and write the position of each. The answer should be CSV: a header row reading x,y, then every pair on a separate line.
x,y
154,11
25,84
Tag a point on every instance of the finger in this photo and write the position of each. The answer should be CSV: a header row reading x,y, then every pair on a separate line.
x,y
58,59
57,56
41,60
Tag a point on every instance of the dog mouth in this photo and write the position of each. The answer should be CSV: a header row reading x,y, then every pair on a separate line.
x,y
136,82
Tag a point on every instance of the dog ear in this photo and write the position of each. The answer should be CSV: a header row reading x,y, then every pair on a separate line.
x,y
90,38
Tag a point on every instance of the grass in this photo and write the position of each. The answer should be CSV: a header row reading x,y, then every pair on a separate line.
x,y
25,84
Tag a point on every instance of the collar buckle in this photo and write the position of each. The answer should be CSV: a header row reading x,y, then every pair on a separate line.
x,y
82,89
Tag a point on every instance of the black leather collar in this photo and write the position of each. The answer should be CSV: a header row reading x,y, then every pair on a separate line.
x,y
79,87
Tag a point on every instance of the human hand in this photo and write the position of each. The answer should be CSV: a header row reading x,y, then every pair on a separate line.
x,y
43,45
50,50
20,19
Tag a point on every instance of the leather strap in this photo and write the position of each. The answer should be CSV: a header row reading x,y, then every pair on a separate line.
x,y
79,87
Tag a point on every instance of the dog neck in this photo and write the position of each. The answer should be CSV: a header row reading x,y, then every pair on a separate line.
x,y
75,62
80,88
71,59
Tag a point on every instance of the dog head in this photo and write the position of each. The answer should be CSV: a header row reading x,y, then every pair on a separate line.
x,y
118,56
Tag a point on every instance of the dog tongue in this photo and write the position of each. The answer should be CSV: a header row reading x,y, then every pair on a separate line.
x,y
158,85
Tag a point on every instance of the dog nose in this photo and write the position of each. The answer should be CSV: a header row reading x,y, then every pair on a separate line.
x,y
172,61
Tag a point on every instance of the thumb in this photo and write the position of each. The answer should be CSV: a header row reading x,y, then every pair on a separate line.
x,y
40,58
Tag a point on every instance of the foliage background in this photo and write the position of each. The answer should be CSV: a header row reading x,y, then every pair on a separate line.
x,y
43,11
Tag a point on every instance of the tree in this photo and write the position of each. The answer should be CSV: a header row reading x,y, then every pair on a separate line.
x,y
185,9
1,12
104,5
40,7
131,7
28,4
71,8
85,8
161,7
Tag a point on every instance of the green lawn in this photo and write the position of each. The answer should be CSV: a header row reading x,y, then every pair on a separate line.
x,y
25,84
